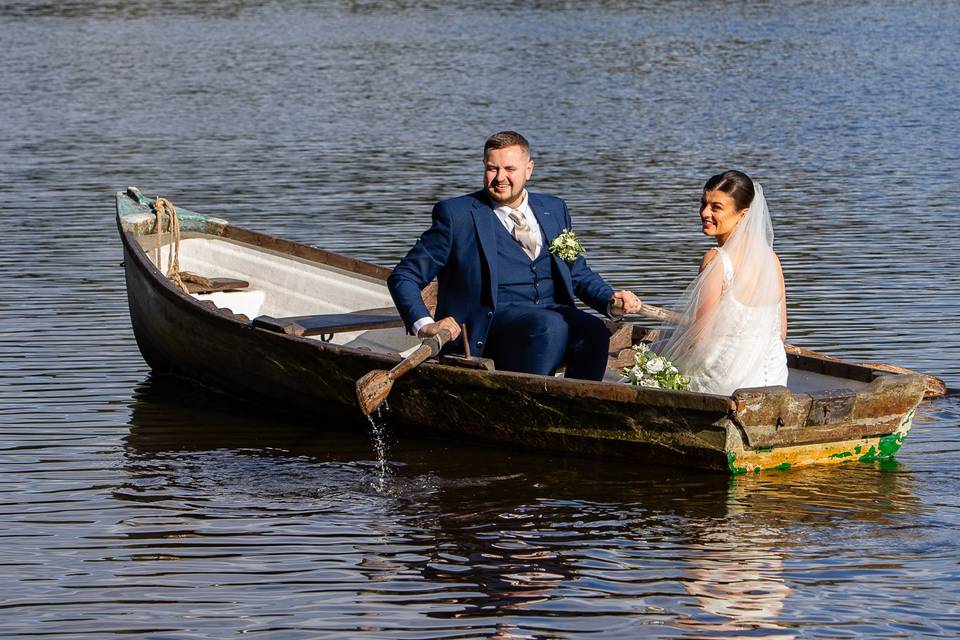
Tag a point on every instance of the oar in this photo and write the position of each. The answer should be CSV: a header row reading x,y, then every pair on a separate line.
x,y
658,313
373,388
647,311
935,387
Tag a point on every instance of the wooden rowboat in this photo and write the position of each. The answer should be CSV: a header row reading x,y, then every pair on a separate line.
x,y
295,327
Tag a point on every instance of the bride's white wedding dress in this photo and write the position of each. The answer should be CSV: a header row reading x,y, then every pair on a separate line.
x,y
741,334
732,340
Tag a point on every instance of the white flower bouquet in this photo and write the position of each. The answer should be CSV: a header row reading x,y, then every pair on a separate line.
x,y
652,370
566,246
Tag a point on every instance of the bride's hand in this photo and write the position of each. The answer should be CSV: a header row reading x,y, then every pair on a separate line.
x,y
624,302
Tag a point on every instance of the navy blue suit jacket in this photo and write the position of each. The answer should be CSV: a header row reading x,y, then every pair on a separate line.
x,y
460,251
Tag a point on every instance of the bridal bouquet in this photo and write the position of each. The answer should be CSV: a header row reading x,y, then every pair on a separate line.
x,y
652,370
566,246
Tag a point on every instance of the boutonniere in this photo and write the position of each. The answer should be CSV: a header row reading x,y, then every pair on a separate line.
x,y
566,246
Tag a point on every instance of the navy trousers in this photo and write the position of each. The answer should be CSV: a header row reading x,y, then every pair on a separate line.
x,y
539,338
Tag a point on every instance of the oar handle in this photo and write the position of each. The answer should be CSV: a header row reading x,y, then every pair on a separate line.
x,y
429,348
658,313
654,312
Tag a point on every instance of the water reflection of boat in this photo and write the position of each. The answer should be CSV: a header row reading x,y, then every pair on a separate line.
x,y
617,545
320,321
203,421
735,565
506,541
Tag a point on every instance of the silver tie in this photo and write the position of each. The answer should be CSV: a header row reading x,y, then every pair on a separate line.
x,y
523,234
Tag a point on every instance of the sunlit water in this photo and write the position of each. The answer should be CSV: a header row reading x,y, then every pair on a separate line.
x,y
137,506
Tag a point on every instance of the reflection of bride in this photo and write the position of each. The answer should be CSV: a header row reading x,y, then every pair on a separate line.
x,y
738,577
736,570
733,315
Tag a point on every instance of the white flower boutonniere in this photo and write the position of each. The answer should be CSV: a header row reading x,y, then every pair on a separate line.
x,y
566,246
652,370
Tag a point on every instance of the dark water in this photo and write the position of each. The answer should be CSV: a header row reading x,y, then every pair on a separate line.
x,y
133,506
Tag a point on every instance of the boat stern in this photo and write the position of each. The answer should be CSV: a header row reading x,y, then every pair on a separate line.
x,y
782,430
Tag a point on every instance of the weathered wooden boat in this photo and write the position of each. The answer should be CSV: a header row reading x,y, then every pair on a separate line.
x,y
295,327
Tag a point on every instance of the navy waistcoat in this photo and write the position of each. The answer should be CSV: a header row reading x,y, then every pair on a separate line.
x,y
520,279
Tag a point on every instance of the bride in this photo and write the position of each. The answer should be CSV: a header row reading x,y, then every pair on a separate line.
x,y
733,315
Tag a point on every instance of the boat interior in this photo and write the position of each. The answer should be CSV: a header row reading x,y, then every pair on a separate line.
x,y
283,286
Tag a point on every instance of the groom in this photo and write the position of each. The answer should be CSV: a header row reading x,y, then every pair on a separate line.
x,y
489,253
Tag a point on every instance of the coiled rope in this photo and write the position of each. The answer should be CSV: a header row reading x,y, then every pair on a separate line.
x,y
161,206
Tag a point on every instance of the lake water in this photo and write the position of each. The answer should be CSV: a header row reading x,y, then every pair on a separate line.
x,y
134,506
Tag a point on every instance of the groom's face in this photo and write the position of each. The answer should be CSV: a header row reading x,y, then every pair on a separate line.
x,y
505,172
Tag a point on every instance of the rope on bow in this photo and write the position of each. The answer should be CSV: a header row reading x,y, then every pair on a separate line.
x,y
161,206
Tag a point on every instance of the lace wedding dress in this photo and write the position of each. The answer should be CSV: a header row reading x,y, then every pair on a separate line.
x,y
733,341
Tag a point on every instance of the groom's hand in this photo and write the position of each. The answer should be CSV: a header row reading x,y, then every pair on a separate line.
x,y
432,329
623,303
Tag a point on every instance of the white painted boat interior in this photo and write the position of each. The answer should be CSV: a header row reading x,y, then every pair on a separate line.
x,y
282,286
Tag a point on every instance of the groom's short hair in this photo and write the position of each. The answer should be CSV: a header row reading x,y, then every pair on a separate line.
x,y
506,139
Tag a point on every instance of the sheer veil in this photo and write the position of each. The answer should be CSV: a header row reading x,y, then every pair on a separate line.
x,y
730,300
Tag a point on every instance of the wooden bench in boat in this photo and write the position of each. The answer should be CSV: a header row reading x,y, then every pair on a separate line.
x,y
199,284
473,362
327,324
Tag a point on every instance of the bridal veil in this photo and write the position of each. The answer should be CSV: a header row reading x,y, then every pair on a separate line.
x,y
730,315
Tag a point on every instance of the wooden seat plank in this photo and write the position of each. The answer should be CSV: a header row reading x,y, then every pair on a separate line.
x,y
212,285
468,363
330,323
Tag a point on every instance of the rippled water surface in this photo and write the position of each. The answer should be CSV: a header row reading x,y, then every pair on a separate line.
x,y
138,506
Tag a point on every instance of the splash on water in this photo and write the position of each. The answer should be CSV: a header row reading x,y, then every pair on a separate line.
x,y
378,433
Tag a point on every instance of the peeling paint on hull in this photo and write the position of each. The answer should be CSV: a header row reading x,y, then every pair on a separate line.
x,y
782,458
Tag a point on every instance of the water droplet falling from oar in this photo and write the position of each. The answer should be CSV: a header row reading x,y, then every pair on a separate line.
x,y
378,433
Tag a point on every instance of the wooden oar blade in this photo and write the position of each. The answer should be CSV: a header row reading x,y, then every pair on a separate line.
x,y
373,389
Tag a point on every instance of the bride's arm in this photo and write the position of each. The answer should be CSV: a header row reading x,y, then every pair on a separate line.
x,y
711,287
783,300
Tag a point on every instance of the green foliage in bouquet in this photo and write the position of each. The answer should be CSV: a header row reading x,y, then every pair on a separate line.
x,y
651,370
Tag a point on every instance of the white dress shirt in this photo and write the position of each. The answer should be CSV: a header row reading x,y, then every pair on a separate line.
x,y
503,213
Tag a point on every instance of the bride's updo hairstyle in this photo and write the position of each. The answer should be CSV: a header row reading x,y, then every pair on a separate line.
x,y
735,184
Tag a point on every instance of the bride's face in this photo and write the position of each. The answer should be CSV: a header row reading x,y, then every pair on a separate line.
x,y
719,215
